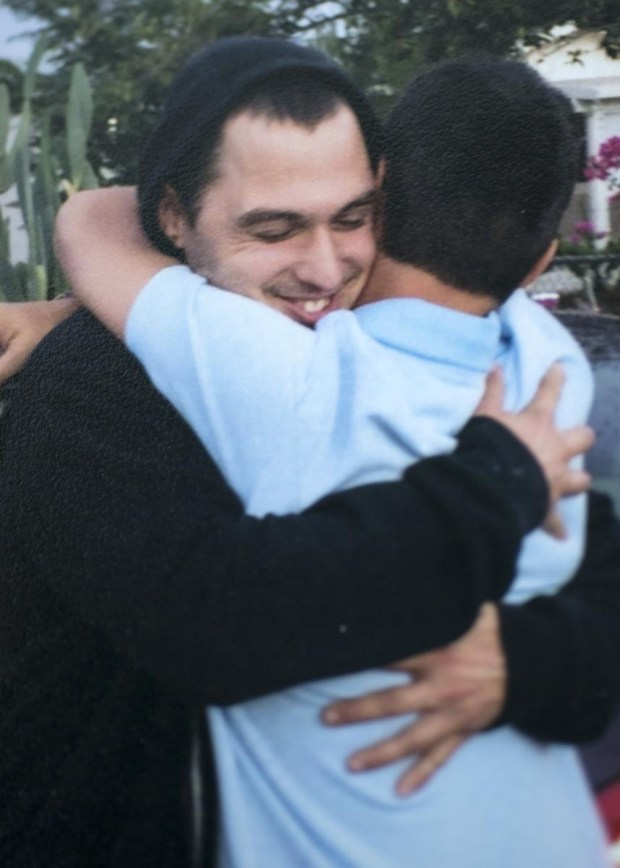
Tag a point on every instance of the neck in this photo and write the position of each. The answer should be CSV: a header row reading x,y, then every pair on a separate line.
x,y
392,279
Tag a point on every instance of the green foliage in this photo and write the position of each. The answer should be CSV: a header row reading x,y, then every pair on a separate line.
x,y
13,78
40,166
79,120
383,42
132,48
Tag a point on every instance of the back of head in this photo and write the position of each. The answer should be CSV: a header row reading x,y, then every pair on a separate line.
x,y
481,163
274,77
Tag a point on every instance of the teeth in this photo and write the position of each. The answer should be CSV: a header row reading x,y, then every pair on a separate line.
x,y
315,306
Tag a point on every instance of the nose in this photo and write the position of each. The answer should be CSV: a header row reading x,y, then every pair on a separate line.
x,y
323,265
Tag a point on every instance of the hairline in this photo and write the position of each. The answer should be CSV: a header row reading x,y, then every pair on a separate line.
x,y
257,111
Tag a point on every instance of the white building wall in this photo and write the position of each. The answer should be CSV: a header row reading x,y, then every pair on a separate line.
x,y
581,68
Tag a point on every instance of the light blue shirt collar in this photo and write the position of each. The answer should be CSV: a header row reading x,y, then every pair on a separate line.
x,y
434,332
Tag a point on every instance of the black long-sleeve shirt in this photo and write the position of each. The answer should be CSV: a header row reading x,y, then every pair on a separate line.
x,y
134,591
563,652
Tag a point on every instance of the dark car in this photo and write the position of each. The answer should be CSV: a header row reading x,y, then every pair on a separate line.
x,y
600,337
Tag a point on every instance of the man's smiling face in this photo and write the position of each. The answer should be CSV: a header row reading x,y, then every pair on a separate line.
x,y
288,219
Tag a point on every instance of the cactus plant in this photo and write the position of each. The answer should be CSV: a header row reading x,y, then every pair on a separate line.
x,y
41,171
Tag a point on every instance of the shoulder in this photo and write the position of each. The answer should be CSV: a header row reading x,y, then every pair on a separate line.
x,y
82,374
541,333
538,340
82,349
73,335
524,313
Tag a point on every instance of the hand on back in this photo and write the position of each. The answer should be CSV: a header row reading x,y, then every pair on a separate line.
x,y
535,427
23,325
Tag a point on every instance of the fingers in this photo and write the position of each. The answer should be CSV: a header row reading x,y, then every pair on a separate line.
x,y
416,737
548,393
554,526
432,738
428,762
492,400
578,440
23,325
415,665
576,482
383,703
573,482
12,360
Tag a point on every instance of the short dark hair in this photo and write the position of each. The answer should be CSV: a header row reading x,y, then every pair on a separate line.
x,y
273,77
480,165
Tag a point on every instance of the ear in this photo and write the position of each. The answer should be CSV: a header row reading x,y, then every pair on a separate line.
x,y
172,218
380,207
542,264
380,175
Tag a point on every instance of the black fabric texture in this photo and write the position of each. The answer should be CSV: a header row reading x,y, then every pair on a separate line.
x,y
563,652
134,591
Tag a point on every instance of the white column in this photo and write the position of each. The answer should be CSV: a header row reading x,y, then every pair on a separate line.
x,y
598,191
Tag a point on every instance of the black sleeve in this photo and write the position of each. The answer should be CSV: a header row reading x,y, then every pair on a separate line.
x,y
117,507
563,652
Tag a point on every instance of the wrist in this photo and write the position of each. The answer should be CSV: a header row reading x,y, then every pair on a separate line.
x,y
496,450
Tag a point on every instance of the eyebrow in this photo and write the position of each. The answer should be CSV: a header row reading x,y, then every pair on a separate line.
x,y
266,215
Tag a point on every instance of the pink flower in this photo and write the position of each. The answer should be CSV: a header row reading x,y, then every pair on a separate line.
x,y
584,227
605,165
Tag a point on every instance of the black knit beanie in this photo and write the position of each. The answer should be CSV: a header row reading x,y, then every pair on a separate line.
x,y
209,88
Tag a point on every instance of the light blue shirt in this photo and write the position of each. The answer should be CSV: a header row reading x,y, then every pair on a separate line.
x,y
290,414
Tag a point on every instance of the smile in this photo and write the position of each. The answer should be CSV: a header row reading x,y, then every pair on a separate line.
x,y
315,305
307,311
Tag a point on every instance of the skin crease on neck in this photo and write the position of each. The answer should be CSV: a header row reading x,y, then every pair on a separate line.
x,y
391,279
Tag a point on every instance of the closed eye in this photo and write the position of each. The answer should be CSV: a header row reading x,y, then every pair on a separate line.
x,y
355,219
271,226
361,212
271,236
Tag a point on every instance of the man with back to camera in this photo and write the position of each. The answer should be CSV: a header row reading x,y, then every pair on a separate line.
x,y
153,540
205,359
